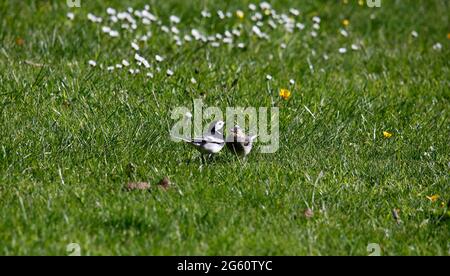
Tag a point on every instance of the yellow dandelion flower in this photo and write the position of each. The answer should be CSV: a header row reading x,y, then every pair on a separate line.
x,y
240,14
448,36
20,41
345,22
387,134
433,198
285,94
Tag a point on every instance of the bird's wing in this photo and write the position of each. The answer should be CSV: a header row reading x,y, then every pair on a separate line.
x,y
202,140
210,139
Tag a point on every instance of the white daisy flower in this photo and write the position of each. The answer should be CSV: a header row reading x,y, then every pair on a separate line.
x,y
316,26
316,19
220,14
111,11
92,63
174,19
265,6
119,66
283,45
268,77
187,38
292,82
236,32
138,13
149,15
141,60
241,45
300,26
343,50
228,40
215,44
106,29
294,12
437,46
325,57
169,73
414,34
174,30
146,21
252,7
110,68
196,34
134,71
256,31
355,47
113,33
344,33
134,46
125,63
159,58
165,29
70,15
272,24
114,19
206,14
121,15
314,34
94,18
193,81
150,75
228,14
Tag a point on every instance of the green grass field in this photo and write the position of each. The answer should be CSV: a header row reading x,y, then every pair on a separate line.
x,y
73,135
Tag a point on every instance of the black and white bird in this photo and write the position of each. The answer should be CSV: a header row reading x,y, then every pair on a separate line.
x,y
211,142
239,143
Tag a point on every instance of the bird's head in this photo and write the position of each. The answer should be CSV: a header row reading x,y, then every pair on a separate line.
x,y
217,127
238,134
